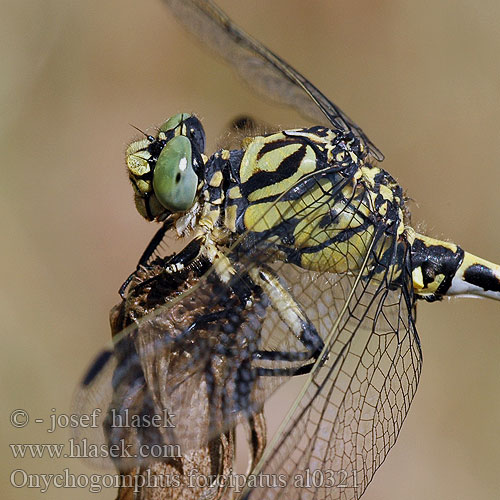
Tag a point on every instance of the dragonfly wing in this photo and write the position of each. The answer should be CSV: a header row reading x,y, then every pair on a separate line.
x,y
261,68
183,351
353,407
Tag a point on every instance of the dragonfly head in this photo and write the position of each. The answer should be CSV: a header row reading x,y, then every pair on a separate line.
x,y
165,170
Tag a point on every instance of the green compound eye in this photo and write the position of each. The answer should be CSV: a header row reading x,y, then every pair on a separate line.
x,y
174,121
174,179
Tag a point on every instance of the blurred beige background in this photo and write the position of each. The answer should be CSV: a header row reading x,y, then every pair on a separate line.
x,y
422,78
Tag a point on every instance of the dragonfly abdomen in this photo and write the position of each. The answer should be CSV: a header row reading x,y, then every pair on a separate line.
x,y
440,268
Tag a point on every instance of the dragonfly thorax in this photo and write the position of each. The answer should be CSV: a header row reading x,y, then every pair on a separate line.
x,y
308,195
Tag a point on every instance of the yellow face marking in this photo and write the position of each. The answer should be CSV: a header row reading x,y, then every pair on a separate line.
x,y
137,162
136,146
143,186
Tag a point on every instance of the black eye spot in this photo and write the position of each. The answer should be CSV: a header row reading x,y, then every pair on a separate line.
x,y
178,177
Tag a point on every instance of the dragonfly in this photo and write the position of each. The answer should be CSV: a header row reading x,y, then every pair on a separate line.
x,y
301,246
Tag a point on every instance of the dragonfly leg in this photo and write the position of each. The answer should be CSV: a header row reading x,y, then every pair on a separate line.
x,y
285,372
175,263
288,309
292,314
147,254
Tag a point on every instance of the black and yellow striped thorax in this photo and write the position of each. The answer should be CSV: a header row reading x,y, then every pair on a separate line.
x,y
308,194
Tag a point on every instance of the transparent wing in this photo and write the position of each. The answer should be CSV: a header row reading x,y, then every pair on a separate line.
x,y
261,68
180,371
202,354
353,407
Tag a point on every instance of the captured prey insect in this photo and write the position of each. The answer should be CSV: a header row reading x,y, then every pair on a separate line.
x,y
310,267
149,289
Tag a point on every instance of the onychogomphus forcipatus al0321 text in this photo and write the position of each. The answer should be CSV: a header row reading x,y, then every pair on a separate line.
x,y
306,224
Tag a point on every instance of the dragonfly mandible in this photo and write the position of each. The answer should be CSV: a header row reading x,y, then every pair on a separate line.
x,y
305,255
